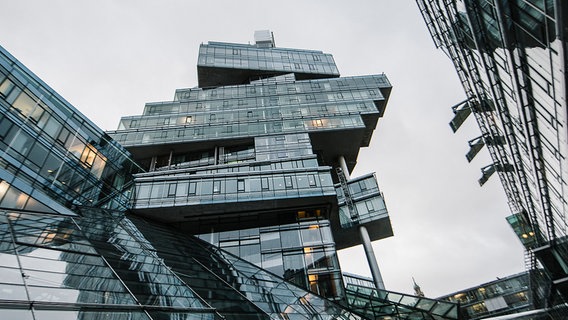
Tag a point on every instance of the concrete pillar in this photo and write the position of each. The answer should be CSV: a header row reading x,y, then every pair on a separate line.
x,y
365,239
343,165
371,258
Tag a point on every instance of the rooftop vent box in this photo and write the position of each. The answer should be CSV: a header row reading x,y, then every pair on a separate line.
x,y
264,39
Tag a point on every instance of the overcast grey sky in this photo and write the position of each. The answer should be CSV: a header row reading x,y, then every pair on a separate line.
x,y
108,58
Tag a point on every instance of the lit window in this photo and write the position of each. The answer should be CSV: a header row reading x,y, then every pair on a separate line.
x,y
317,123
88,156
188,119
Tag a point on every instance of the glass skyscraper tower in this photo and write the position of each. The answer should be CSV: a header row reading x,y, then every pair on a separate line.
x,y
246,159
511,58
228,202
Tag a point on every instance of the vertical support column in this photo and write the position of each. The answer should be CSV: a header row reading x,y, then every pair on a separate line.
x,y
371,258
366,240
153,163
170,159
343,165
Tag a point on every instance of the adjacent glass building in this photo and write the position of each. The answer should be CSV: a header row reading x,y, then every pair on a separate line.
x,y
228,202
499,297
510,57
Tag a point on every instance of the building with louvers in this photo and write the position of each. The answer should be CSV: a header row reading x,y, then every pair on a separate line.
x,y
510,57
228,202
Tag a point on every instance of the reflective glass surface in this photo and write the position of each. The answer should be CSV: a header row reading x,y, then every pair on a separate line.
x,y
49,145
105,260
368,202
511,55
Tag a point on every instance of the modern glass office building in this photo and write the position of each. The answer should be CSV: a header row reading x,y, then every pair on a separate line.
x,y
228,202
247,160
509,295
510,57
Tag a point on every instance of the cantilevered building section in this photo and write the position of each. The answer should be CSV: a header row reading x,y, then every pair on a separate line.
x,y
256,159
510,57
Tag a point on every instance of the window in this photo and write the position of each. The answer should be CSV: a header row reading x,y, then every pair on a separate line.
x,y
63,136
216,187
370,207
311,235
5,126
288,182
272,262
172,190
312,180
264,183
28,106
88,156
293,261
192,188
6,87
241,185
188,119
